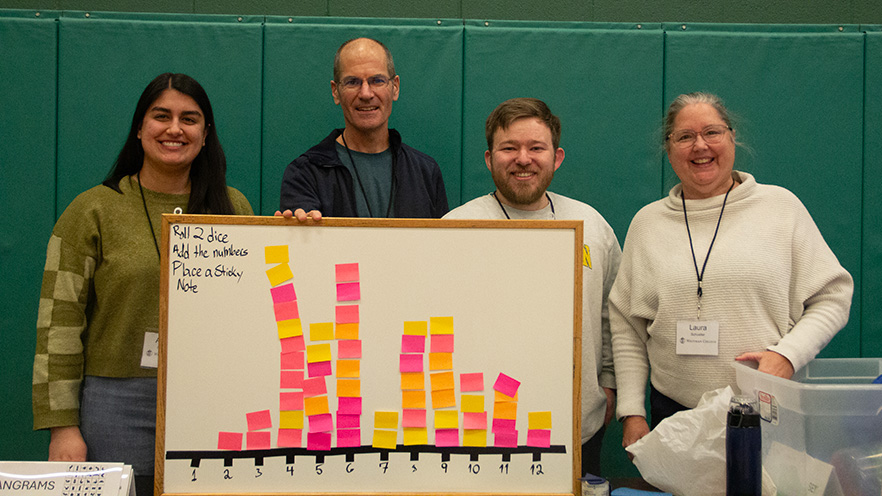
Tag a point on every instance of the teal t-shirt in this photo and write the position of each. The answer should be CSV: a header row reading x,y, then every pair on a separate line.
x,y
371,179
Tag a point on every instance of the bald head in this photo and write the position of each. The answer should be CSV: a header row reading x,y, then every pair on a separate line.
x,y
358,48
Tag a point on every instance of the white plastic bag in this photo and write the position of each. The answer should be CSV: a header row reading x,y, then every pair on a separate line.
x,y
686,453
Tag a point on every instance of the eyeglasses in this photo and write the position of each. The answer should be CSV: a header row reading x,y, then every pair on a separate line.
x,y
353,83
686,137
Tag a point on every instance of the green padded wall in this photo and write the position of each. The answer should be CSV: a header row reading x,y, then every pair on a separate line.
x,y
871,321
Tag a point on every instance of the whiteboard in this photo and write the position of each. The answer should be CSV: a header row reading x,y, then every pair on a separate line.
x,y
508,291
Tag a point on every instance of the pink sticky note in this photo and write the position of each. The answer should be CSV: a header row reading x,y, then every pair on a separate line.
x,y
291,401
257,440
503,425
413,418
506,438
229,441
346,272
321,423
348,291
291,361
318,441
291,379
506,385
347,314
348,438
411,362
319,369
446,437
539,438
314,386
413,344
286,310
442,343
290,438
349,348
283,293
259,420
471,382
348,421
349,406
474,420
292,344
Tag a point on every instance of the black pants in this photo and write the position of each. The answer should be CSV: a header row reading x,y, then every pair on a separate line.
x,y
591,453
661,407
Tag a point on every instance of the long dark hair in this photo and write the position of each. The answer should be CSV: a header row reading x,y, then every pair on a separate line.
x,y
208,185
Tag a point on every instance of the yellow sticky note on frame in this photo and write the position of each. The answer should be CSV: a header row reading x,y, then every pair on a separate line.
x,y
539,420
279,274
440,361
385,439
292,419
386,420
316,405
322,331
348,388
415,436
416,328
474,437
349,368
289,328
276,254
413,399
472,403
441,325
413,381
446,419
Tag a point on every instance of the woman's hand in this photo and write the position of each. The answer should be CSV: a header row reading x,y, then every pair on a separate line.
x,y
633,429
769,362
66,444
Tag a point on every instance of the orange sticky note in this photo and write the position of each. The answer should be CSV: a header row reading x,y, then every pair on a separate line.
x,y
413,399
347,331
443,398
442,380
349,388
499,397
315,405
413,380
349,368
505,410
440,361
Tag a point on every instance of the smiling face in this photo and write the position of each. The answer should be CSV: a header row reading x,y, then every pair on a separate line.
x,y
522,163
366,109
705,170
173,132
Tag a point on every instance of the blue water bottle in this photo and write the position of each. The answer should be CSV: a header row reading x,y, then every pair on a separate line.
x,y
744,467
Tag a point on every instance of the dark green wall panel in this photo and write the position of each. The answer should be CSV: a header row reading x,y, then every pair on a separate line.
x,y
871,324
27,199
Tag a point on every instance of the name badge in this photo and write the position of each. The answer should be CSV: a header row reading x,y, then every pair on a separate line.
x,y
698,337
150,353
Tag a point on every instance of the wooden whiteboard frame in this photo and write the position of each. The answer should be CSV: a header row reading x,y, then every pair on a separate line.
x,y
169,220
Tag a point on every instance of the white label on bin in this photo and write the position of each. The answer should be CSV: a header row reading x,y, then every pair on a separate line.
x,y
768,407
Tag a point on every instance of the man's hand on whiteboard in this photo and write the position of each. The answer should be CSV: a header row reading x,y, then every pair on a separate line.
x,y
66,444
610,405
300,214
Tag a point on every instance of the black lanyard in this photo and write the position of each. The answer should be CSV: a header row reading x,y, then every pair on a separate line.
x,y
149,222
506,213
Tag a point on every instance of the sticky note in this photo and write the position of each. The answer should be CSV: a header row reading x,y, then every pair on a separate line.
x,y
286,310
229,441
471,382
315,405
413,399
474,420
276,254
411,362
446,419
347,331
413,417
346,314
506,439
315,386
322,331
446,437
348,291
279,274
292,344
291,400
291,420
503,425
440,361
472,403
416,327
539,420
321,423
319,369
259,420
386,420
415,436
291,361
289,328
348,438
257,440
318,353
499,397
349,348
507,410
539,438
443,398
283,293
290,438
291,379
413,344
474,437
385,439
346,272
350,406
413,381
441,325
348,421
349,368
441,343
349,388
506,385
318,441
442,380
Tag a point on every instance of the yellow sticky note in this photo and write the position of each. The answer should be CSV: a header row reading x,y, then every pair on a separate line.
x,y
289,328
292,419
447,419
440,361
507,410
323,331
415,436
442,380
279,274
386,420
318,353
347,331
474,437
348,388
499,397
316,405
276,254
472,403
349,368
443,398
415,328
385,439
413,381
441,325
413,399
539,420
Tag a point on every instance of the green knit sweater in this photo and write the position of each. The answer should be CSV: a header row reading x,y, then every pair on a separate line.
x,y
100,294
